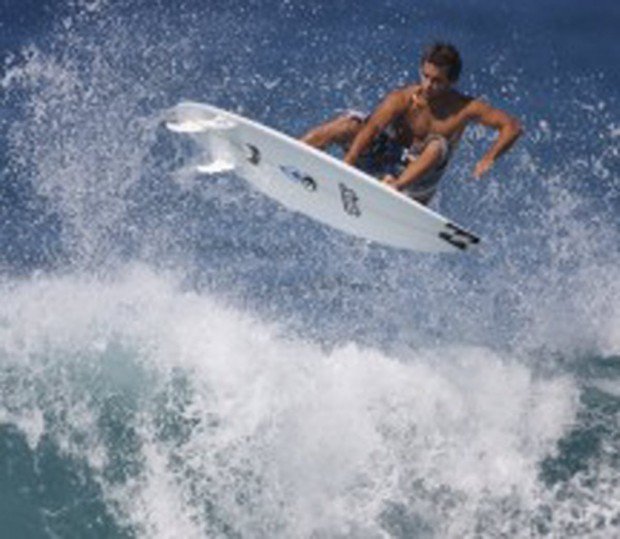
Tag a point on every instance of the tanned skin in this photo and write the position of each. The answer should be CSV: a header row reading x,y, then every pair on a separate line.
x,y
432,106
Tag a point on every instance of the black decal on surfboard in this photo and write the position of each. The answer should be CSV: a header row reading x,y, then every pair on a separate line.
x,y
254,156
295,175
349,200
461,239
309,183
459,244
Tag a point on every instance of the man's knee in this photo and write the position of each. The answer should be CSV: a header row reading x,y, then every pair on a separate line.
x,y
346,128
340,130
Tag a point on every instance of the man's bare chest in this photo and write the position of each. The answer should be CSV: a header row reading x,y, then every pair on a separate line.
x,y
417,125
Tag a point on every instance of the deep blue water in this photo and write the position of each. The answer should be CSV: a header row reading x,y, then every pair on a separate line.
x,y
181,357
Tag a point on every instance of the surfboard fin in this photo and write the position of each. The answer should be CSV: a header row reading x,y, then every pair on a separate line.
x,y
205,129
215,167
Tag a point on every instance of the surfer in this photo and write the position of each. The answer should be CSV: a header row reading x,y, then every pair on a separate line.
x,y
409,139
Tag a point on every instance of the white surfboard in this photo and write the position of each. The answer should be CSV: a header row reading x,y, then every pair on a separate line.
x,y
314,183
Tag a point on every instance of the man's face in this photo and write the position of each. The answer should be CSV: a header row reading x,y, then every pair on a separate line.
x,y
434,80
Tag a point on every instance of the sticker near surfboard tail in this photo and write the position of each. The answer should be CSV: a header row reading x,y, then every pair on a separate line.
x,y
253,154
461,239
312,182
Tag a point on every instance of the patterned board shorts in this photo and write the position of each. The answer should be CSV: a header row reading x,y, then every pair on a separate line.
x,y
387,156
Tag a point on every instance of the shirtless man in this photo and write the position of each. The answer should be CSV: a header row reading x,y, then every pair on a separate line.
x,y
408,140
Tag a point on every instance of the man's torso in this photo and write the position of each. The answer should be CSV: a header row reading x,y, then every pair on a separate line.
x,y
420,119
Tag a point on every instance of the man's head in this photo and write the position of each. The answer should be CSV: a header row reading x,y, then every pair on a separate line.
x,y
440,67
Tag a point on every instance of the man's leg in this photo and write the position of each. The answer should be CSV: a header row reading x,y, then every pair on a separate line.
x,y
341,130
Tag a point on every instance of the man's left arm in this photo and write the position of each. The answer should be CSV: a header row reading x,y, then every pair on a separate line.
x,y
417,168
509,131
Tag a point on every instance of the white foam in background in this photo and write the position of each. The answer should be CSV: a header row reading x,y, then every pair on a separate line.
x,y
275,437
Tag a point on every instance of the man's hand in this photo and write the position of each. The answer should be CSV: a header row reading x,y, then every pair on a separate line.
x,y
509,131
483,166
390,180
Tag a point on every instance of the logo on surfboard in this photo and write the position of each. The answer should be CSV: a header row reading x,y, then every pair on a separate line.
x,y
461,239
295,175
349,200
254,155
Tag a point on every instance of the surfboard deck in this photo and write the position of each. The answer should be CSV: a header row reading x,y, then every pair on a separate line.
x,y
313,182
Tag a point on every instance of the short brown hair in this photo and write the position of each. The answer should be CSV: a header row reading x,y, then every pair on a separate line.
x,y
444,55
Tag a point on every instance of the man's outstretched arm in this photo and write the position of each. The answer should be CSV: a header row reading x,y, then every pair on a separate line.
x,y
390,108
509,131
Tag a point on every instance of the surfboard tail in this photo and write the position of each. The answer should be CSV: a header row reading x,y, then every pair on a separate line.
x,y
199,125
183,119
205,130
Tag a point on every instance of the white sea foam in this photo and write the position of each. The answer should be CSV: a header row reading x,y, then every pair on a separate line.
x,y
281,438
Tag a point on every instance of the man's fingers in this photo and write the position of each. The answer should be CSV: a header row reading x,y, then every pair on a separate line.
x,y
388,178
482,167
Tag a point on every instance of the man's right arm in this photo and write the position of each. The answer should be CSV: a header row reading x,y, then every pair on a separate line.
x,y
393,105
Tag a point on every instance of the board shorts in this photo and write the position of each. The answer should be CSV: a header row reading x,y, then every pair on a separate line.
x,y
387,156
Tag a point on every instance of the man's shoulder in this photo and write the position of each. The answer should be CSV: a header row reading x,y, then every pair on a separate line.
x,y
396,99
463,99
401,92
466,106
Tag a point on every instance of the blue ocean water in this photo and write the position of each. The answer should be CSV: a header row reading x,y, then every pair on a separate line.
x,y
182,357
